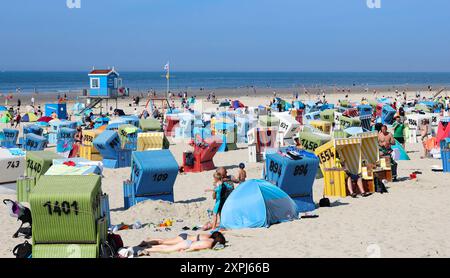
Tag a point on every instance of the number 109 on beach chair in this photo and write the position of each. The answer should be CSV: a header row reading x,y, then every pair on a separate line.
x,y
153,174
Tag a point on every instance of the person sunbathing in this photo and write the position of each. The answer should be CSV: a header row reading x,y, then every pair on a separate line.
x,y
182,242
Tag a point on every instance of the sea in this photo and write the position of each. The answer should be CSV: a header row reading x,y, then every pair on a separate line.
x,y
48,82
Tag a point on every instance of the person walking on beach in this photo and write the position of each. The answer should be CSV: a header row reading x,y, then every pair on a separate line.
x,y
425,133
18,118
19,102
32,101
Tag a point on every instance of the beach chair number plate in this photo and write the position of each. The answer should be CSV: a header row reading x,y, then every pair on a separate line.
x,y
13,164
88,138
309,145
284,126
301,170
58,209
326,155
34,166
412,122
275,168
66,136
160,177
32,144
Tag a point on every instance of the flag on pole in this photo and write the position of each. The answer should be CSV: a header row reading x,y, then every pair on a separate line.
x,y
167,69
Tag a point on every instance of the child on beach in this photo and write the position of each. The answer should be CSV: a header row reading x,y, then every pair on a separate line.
x,y
220,188
216,196
242,174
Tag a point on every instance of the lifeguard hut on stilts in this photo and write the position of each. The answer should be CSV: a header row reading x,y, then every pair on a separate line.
x,y
105,85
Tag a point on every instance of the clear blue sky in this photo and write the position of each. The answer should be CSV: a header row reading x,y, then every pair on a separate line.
x,y
226,35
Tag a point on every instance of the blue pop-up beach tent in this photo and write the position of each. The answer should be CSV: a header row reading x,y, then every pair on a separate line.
x,y
257,203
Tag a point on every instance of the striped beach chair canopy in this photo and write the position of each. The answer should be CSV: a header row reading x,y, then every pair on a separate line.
x,y
369,147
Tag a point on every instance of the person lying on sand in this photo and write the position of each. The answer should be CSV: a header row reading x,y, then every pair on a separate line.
x,y
182,242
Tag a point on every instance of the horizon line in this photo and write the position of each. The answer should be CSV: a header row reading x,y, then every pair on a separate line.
x,y
231,71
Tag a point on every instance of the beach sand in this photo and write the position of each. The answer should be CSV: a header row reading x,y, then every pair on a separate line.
x,y
412,220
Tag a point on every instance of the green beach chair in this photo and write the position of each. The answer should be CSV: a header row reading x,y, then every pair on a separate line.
x,y
150,125
268,121
346,122
327,115
311,141
37,165
340,134
66,214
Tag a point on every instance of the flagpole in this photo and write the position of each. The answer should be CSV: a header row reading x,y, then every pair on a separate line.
x,y
168,80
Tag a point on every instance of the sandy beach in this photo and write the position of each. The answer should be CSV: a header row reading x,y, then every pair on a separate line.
x,y
409,221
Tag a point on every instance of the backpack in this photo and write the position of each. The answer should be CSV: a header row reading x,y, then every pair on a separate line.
x,y
110,248
225,191
23,250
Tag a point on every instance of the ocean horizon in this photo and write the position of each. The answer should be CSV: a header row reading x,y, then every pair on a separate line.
x,y
66,81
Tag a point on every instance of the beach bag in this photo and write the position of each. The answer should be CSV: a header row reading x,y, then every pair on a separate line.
x,y
224,193
107,251
115,241
23,250
111,247
324,203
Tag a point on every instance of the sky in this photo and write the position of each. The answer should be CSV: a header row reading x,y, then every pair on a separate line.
x,y
225,35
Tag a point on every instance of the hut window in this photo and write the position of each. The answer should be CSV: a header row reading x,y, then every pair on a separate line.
x,y
95,83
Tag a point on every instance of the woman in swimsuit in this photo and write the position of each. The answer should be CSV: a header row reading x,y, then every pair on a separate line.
x,y
183,242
